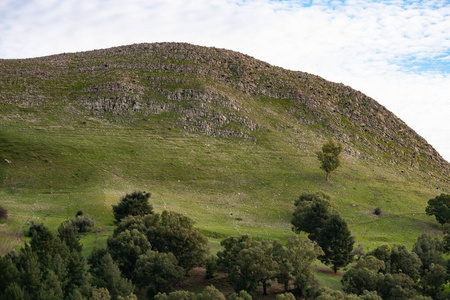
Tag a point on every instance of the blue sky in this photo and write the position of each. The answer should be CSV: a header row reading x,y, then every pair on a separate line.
x,y
397,52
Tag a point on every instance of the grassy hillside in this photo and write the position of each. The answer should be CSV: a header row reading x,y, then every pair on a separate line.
x,y
225,139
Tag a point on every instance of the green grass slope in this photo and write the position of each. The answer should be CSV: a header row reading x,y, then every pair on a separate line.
x,y
225,139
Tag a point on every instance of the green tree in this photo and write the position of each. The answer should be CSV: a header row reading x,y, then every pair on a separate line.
x,y
106,274
210,292
68,234
30,270
398,260
178,295
100,294
396,286
170,232
336,241
329,157
253,265
8,274
51,288
285,266
77,276
285,296
429,250
158,272
302,255
14,292
311,212
126,247
242,295
211,266
226,258
439,206
45,243
403,261
433,281
176,233
364,275
134,204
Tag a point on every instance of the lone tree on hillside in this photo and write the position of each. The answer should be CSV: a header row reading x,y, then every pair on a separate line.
x,y
134,204
329,156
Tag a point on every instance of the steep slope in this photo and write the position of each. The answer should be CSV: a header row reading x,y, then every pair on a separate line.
x,y
211,132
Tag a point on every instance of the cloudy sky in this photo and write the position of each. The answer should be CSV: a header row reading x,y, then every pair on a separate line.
x,y
396,51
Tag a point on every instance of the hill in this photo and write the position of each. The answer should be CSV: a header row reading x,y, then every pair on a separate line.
x,y
220,136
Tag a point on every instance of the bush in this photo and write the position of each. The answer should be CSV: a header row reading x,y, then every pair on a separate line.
x,y
3,213
83,222
377,211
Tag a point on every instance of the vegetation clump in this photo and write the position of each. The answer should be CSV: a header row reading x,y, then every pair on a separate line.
x,y
3,213
83,222
329,157
377,211
134,204
439,206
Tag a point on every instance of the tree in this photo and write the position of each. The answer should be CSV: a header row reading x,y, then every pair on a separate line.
x,y
396,286
51,288
403,261
311,212
440,208
365,275
78,276
8,274
285,296
302,255
178,295
336,242
329,157
158,272
253,265
14,292
242,295
429,250
210,292
126,247
226,259
68,234
106,274
134,204
433,281
170,232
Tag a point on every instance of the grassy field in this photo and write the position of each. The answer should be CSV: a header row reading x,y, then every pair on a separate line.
x,y
228,186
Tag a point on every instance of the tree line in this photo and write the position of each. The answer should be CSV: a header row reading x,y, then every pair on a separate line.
x,y
149,254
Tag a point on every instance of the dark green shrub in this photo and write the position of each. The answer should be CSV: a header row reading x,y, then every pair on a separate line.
x,y
134,204
3,213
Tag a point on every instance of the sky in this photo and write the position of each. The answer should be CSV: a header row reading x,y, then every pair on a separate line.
x,y
395,51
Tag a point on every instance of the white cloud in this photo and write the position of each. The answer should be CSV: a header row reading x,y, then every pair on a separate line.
x,y
361,43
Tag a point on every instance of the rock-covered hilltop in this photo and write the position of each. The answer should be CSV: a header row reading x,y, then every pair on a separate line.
x,y
209,91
